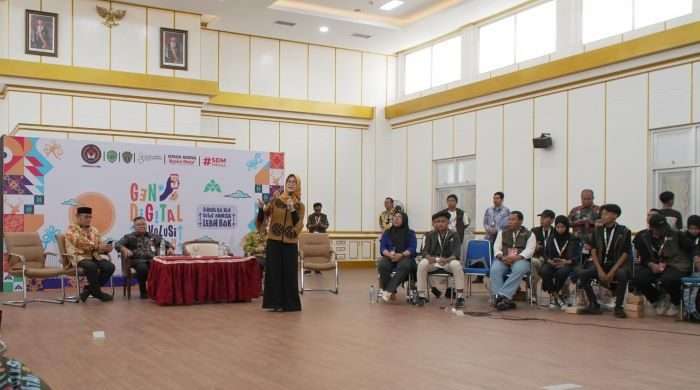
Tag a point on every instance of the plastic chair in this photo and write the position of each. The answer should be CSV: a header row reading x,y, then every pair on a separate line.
x,y
477,251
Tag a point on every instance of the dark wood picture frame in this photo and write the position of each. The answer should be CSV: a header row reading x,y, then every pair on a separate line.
x,y
28,49
167,62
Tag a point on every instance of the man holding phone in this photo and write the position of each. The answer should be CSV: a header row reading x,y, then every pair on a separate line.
x,y
86,249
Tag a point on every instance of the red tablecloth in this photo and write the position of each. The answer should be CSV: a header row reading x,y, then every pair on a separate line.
x,y
177,280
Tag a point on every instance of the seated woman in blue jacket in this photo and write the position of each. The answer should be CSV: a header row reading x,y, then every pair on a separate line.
x,y
398,249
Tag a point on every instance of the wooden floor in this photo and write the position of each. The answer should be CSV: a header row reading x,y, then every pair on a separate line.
x,y
343,342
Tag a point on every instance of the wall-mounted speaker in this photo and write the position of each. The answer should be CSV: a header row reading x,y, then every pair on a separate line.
x,y
544,141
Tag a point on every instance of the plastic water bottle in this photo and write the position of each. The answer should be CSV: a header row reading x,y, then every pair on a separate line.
x,y
161,250
372,294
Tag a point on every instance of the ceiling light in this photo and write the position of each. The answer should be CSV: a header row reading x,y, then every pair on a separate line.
x,y
391,5
323,29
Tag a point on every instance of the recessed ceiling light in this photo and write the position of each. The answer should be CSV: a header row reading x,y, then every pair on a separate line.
x,y
323,29
391,5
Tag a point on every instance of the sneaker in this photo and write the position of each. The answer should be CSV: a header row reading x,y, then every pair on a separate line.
x,y
592,309
554,302
421,301
662,305
620,312
459,304
386,296
505,304
307,272
436,292
672,311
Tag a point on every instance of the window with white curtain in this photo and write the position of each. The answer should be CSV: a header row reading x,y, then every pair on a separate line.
x,y
417,70
526,35
433,66
606,18
447,61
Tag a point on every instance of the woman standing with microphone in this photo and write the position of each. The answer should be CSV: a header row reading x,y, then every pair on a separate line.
x,y
286,212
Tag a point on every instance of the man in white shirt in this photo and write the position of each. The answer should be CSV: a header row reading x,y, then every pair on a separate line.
x,y
513,249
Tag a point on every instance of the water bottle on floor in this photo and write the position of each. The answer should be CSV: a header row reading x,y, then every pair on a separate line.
x,y
372,294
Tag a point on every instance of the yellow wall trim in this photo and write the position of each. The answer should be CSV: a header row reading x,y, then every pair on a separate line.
x,y
666,40
221,114
111,78
119,133
292,105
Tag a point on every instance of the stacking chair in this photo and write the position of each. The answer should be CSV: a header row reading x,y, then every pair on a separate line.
x,y
67,260
687,284
477,251
27,259
316,254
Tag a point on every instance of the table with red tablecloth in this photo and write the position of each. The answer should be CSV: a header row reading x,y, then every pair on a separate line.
x,y
185,280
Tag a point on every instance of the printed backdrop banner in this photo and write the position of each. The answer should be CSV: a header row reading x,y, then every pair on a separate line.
x,y
184,193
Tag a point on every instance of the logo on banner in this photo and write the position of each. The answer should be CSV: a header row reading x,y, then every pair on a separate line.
x,y
239,194
91,154
112,156
212,186
209,161
145,158
128,157
178,159
158,204
216,217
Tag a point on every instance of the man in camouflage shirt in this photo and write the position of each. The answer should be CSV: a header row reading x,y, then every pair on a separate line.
x,y
584,217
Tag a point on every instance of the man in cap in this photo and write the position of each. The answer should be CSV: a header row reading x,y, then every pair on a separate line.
x,y
664,254
84,245
542,234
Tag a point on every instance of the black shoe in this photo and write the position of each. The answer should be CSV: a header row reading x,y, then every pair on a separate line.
x,y
85,294
479,279
592,310
459,304
436,292
143,295
505,304
620,312
449,293
421,301
317,272
104,297
307,272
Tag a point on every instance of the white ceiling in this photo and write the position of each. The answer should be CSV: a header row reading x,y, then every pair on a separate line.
x,y
372,6
257,18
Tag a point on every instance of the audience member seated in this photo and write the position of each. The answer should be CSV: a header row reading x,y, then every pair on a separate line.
x,y
140,247
441,249
86,249
611,245
542,234
513,250
398,249
561,255
693,235
673,216
665,259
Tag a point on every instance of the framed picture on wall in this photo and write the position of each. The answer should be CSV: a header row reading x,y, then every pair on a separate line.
x,y
173,49
41,33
